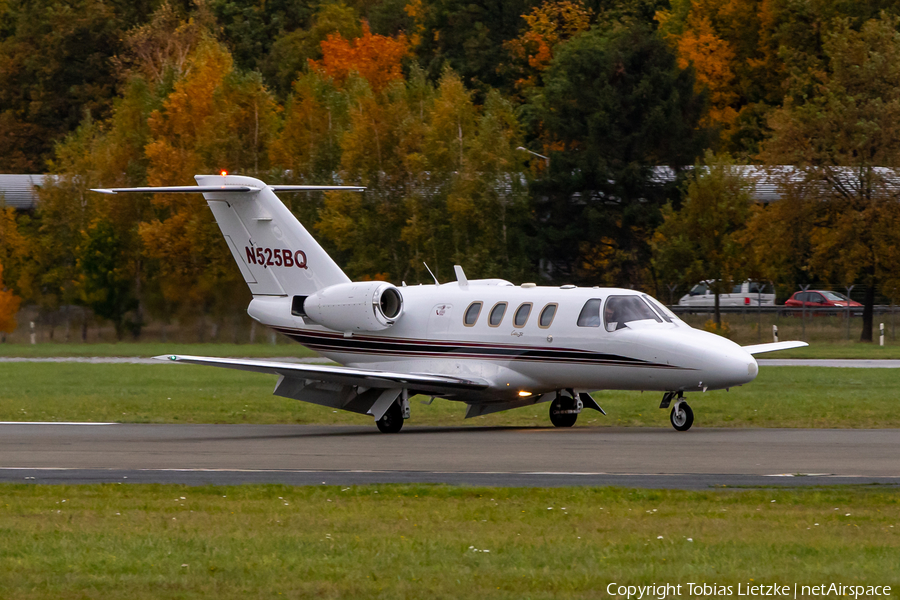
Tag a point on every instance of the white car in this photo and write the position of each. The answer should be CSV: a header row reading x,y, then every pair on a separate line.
x,y
748,293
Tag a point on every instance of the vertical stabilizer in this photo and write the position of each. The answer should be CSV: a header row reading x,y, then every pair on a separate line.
x,y
275,253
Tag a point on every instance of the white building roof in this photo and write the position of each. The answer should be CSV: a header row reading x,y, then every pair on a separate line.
x,y
18,191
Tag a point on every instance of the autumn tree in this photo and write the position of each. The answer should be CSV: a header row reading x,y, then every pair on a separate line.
x,y
214,119
14,249
9,306
316,116
701,240
546,26
840,129
290,53
738,50
376,58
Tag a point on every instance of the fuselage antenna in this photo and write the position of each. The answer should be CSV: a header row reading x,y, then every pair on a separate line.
x,y
430,273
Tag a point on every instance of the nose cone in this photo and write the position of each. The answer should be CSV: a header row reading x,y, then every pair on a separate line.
x,y
726,364
718,362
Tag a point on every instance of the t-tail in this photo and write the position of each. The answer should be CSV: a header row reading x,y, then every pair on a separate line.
x,y
274,252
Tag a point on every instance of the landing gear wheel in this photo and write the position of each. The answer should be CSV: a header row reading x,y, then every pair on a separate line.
x,y
392,421
682,417
562,412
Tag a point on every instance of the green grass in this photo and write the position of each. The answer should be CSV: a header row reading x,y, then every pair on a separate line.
x,y
167,393
415,541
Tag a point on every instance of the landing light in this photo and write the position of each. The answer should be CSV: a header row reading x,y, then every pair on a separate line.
x,y
524,393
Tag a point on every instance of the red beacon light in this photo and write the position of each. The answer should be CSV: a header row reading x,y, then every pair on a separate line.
x,y
224,173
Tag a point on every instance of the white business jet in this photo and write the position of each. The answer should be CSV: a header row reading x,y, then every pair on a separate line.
x,y
489,343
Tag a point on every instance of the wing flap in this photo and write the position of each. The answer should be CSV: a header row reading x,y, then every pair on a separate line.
x,y
772,347
424,382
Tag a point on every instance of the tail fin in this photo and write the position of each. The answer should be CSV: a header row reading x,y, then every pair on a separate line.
x,y
276,255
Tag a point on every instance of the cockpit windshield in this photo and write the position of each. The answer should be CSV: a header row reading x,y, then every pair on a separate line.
x,y
621,310
667,315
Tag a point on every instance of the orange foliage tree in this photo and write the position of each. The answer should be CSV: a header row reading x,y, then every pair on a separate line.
x,y
712,58
214,119
9,306
376,58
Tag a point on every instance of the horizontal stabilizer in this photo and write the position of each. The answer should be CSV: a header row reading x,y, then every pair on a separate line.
x,y
772,347
232,189
317,188
423,382
181,189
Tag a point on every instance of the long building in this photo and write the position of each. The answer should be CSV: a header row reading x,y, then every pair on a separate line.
x,y
20,191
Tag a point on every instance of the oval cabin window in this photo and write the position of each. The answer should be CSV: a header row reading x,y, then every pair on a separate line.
x,y
472,314
547,316
496,316
522,314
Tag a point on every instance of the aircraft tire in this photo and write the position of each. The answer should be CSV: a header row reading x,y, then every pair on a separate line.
x,y
559,419
392,421
683,420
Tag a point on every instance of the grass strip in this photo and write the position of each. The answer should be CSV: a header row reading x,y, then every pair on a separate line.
x,y
166,393
412,541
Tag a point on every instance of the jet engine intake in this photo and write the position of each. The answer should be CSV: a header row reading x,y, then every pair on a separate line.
x,y
359,306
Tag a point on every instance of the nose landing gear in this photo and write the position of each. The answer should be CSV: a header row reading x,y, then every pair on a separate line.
x,y
681,417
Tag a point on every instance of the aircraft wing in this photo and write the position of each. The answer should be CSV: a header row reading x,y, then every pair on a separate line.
x,y
773,346
345,376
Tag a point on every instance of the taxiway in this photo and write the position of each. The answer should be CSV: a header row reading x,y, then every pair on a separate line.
x,y
341,455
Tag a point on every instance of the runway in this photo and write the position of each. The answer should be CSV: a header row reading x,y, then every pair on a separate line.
x,y
341,455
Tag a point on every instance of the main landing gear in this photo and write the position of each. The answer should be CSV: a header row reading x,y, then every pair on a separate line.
x,y
564,410
392,421
681,416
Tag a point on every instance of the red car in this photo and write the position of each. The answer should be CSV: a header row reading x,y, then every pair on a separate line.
x,y
818,299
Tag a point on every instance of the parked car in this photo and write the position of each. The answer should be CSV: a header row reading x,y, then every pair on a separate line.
x,y
748,293
821,299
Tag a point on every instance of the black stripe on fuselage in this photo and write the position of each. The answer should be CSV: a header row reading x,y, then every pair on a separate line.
x,y
331,342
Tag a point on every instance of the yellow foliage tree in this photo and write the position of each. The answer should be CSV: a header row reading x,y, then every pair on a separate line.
x,y
712,58
547,26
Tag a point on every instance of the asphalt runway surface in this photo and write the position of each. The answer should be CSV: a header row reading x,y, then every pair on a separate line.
x,y
498,456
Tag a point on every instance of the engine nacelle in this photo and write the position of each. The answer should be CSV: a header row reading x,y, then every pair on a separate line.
x,y
360,306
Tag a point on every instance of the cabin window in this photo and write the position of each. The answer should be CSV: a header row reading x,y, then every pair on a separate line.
x,y
522,314
496,316
590,314
472,314
621,310
547,316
